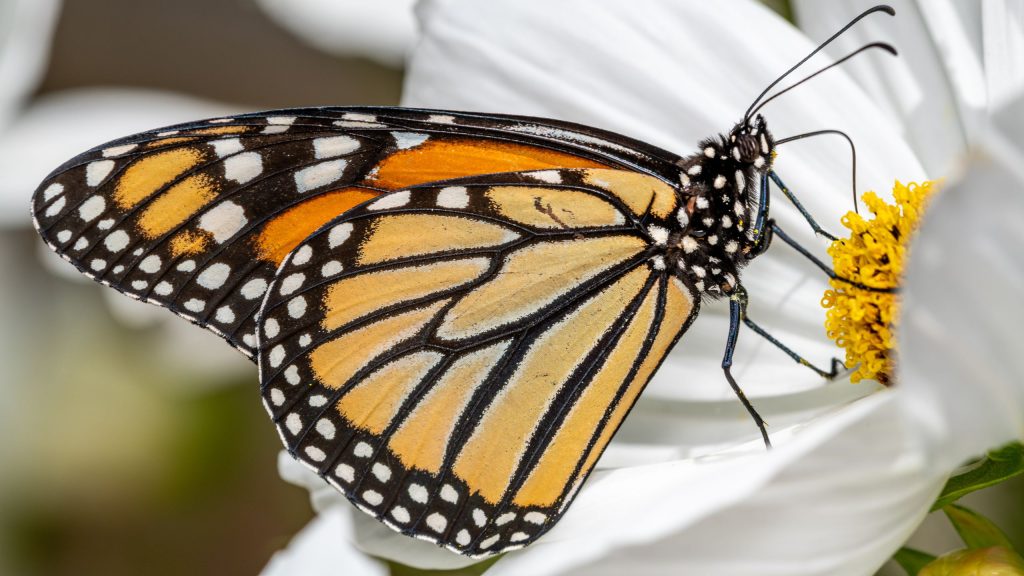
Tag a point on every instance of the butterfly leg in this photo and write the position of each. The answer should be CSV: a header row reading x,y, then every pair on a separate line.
x,y
837,364
777,231
737,311
803,211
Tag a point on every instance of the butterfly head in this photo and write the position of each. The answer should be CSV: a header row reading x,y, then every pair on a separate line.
x,y
751,142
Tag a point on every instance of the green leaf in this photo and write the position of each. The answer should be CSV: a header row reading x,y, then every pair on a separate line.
x,y
912,560
976,530
999,465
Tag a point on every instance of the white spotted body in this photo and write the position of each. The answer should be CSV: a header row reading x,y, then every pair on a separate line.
x,y
713,235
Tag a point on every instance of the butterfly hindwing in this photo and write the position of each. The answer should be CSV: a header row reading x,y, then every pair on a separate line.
x,y
454,357
197,217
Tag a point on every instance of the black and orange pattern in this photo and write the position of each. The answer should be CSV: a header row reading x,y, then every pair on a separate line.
x,y
452,313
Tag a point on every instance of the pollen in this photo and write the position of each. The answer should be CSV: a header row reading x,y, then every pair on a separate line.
x,y
864,322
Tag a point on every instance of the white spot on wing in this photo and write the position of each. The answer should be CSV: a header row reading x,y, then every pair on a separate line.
x,y
453,197
318,175
276,356
276,397
449,494
326,428
334,146
392,200
339,234
243,167
223,221
118,150
292,283
302,255
150,264
253,289
278,124
345,472
297,307
549,176
479,518
437,522
195,305
535,517
91,208
381,472
95,172
227,146
418,493
400,514
406,140
225,315
214,276
330,268
52,191
116,241
56,207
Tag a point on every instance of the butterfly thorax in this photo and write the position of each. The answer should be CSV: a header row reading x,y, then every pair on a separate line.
x,y
715,236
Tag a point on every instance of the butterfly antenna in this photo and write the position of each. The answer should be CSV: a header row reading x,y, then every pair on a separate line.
x,y
882,45
881,8
853,155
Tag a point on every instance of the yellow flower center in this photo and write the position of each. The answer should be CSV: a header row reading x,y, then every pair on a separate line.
x,y
863,322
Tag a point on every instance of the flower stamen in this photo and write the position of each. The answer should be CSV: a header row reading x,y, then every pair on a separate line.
x,y
864,322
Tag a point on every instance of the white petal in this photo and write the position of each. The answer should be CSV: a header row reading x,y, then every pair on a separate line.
x,y
382,31
960,340
323,548
936,88
713,516
24,49
1002,24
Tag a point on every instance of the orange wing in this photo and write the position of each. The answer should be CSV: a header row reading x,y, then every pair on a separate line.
x,y
197,217
454,357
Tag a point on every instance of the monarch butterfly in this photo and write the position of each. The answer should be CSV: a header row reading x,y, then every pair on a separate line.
x,y
451,312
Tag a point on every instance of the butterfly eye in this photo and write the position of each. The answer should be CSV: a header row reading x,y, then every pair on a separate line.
x,y
747,145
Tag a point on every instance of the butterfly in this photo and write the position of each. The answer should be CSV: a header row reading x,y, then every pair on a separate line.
x,y
452,313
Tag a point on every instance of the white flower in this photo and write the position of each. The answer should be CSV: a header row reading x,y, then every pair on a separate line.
x,y
686,487
383,30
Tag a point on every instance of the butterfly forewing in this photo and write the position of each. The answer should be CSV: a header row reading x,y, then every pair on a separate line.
x,y
455,357
197,217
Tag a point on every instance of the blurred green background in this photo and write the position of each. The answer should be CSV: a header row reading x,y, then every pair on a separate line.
x,y
128,444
